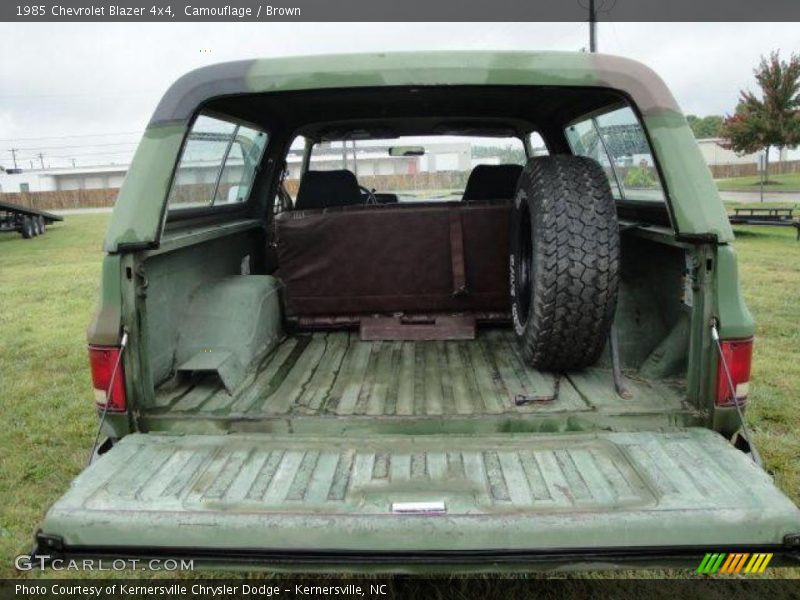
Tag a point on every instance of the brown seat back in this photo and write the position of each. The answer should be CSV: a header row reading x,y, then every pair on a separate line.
x,y
395,258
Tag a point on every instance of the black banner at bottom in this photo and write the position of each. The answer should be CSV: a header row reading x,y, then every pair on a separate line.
x,y
391,588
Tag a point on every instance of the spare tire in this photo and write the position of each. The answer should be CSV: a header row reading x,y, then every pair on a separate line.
x,y
564,262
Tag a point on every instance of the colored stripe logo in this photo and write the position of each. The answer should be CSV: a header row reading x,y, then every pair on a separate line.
x,y
734,563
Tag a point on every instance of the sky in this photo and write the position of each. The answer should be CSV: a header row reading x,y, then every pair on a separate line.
x,y
71,81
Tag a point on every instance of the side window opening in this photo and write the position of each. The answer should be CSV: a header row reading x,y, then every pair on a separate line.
x,y
537,145
217,165
617,141
290,177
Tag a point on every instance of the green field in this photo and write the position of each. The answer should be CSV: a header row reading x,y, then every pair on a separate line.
x,y
48,287
789,182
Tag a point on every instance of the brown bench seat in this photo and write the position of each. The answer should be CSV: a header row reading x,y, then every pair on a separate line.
x,y
402,258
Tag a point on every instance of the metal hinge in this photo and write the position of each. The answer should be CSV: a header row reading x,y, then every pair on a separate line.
x,y
48,545
141,281
792,540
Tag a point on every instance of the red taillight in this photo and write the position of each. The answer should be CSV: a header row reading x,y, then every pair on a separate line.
x,y
103,359
738,356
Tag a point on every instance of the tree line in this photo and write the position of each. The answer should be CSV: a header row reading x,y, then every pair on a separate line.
x,y
768,118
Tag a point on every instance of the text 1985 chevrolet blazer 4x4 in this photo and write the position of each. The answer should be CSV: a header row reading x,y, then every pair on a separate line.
x,y
498,325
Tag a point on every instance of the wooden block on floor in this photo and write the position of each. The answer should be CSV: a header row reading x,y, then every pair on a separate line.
x,y
400,329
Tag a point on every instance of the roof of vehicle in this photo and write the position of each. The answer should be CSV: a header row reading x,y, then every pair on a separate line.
x,y
638,81
692,197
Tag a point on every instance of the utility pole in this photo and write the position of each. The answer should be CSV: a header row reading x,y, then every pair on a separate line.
x,y
73,162
592,27
14,157
40,156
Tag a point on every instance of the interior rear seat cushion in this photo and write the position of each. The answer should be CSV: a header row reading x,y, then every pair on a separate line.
x,y
389,259
326,189
492,182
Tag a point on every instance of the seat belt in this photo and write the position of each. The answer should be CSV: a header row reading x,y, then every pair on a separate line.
x,y
457,252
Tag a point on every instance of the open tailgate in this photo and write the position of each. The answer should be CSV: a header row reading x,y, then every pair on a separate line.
x,y
596,497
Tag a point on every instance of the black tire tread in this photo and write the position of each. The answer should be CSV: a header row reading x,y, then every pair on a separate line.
x,y
575,262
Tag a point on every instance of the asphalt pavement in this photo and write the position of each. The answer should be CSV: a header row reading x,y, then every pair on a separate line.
x,y
788,197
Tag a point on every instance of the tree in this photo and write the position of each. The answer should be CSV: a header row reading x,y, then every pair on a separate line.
x,y
773,119
705,127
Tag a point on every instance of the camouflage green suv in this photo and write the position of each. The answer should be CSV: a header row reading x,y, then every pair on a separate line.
x,y
471,311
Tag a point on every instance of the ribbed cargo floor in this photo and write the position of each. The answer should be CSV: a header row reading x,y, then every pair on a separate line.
x,y
512,491
336,374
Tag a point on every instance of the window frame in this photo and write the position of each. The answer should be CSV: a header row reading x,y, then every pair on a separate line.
x,y
623,200
174,214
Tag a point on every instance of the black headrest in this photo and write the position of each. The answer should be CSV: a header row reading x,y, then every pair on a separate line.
x,y
492,182
325,189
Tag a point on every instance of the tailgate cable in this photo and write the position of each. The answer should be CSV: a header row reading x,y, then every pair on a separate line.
x,y
122,344
748,436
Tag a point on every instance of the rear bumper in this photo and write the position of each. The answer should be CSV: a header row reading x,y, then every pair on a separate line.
x,y
784,555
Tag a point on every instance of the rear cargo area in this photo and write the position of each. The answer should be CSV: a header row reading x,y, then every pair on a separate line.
x,y
241,341
336,376
269,436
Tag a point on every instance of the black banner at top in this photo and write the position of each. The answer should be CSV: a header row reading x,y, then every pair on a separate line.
x,y
397,10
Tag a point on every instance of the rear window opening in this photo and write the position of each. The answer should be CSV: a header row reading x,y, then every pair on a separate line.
x,y
414,168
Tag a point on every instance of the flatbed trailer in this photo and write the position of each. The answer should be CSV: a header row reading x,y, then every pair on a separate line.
x,y
765,216
28,222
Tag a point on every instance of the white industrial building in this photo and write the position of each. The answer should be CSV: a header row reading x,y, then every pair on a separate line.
x,y
62,178
371,161
375,160
716,154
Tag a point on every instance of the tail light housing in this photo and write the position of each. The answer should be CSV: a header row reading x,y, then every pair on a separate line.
x,y
102,360
738,356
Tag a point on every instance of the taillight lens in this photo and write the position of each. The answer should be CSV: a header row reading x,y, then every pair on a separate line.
x,y
102,360
738,356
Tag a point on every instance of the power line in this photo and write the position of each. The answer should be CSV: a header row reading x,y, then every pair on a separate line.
x,y
83,94
77,155
85,145
68,137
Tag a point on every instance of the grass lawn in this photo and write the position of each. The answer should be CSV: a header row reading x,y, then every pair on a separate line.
x,y
48,287
789,182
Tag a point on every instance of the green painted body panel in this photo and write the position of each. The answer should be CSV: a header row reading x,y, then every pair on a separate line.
x,y
735,320
696,205
139,209
228,325
106,325
173,279
523,492
139,212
